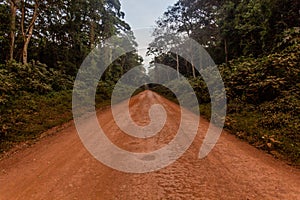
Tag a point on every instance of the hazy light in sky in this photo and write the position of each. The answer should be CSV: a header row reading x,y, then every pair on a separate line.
x,y
141,16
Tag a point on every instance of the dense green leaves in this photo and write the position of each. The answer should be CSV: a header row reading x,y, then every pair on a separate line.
x,y
230,29
16,78
258,42
263,101
4,31
34,96
263,79
64,31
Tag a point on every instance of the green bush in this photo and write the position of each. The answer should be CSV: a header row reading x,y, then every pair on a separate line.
x,y
264,101
27,117
37,78
34,98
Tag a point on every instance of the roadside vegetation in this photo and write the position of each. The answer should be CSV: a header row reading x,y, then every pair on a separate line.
x,y
31,105
42,45
256,45
264,102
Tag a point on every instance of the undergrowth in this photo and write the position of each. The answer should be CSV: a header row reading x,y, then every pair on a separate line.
x,y
33,99
263,101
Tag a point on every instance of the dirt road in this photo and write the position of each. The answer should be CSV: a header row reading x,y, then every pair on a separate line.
x,y
59,167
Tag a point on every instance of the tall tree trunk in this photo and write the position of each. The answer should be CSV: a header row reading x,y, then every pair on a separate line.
x,y
193,69
187,68
27,34
177,65
193,66
226,51
13,11
123,64
192,62
92,34
25,51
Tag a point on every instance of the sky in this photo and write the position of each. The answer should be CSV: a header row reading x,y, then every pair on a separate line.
x,y
141,16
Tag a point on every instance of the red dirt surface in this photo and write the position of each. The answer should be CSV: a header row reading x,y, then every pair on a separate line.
x,y
59,167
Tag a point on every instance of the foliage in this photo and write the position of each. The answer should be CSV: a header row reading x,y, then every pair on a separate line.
x,y
263,101
4,18
228,29
16,78
27,117
258,40
59,33
263,79
34,98
63,31
28,94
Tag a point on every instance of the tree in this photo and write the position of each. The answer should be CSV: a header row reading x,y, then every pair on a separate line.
x,y
4,31
68,29
165,40
71,29
13,14
28,7
194,19
253,27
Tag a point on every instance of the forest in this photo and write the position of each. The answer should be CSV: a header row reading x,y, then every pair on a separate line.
x,y
255,43
43,43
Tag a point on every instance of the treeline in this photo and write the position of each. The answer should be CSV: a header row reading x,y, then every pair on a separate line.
x,y
256,44
227,29
58,33
42,45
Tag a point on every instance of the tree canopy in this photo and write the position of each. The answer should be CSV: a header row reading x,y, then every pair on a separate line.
x,y
59,33
229,29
